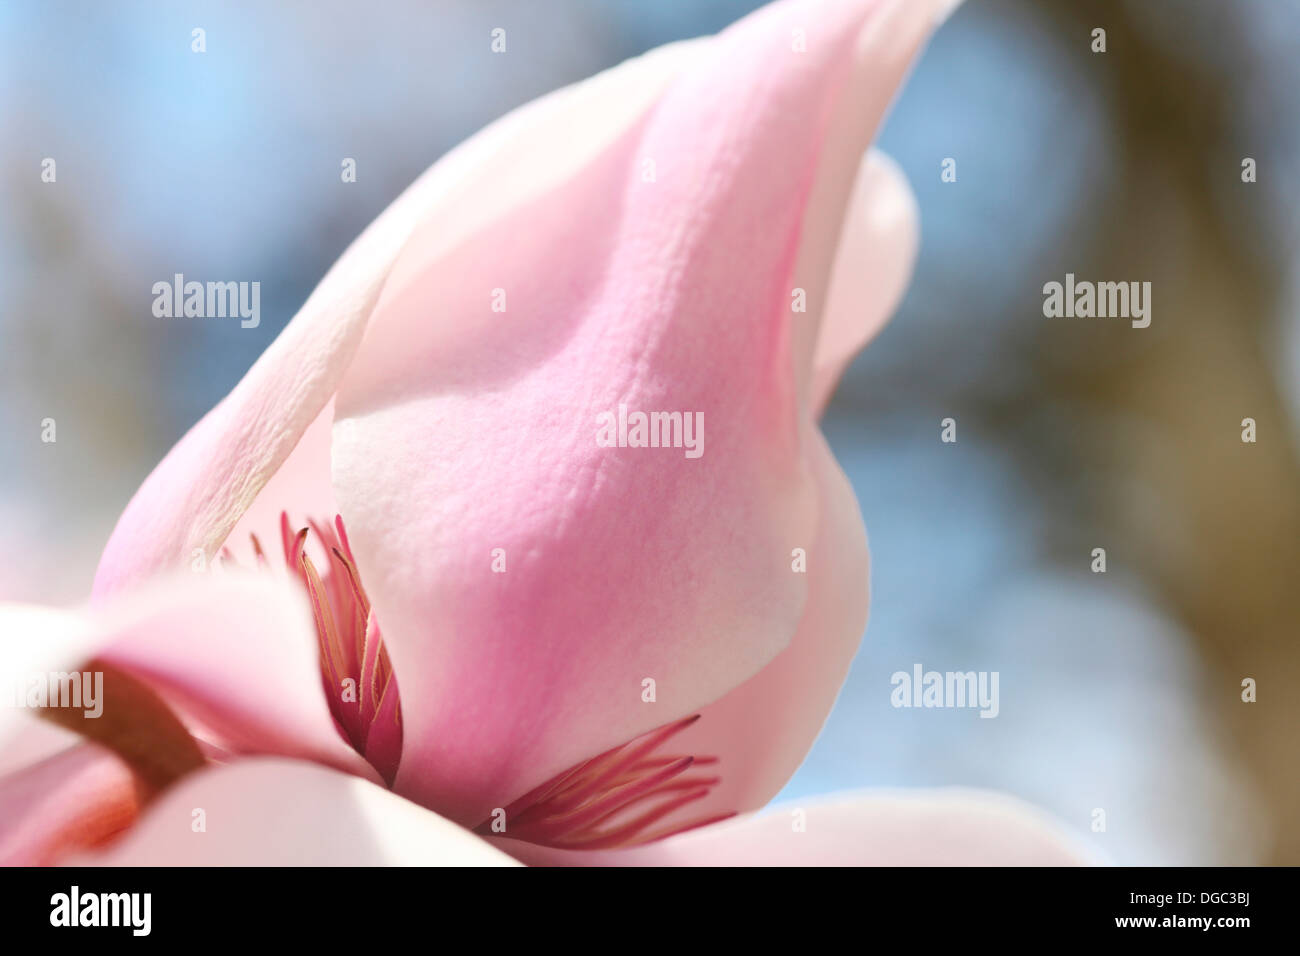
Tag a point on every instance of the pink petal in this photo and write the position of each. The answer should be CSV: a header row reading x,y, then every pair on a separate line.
x,y
26,739
74,799
460,430
762,730
199,492
825,268
943,827
271,812
301,488
233,654
193,499
872,266
34,641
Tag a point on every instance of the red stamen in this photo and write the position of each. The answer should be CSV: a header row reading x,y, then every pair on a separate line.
x,y
355,671
590,804
612,799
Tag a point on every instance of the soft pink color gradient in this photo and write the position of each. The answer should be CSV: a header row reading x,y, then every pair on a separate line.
x,y
949,826
235,657
442,430
625,565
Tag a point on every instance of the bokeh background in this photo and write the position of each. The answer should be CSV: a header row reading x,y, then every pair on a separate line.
x,y
1119,691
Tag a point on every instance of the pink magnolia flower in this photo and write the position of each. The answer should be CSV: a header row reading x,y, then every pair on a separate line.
x,y
583,653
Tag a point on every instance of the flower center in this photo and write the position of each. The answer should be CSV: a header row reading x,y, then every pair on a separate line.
x,y
635,793
356,672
